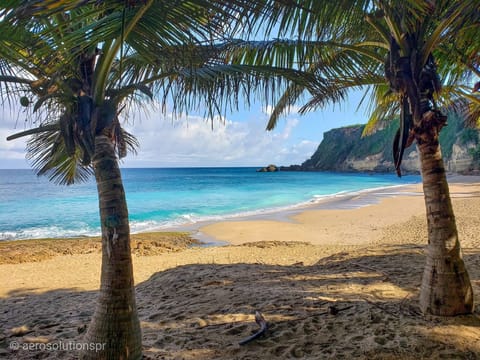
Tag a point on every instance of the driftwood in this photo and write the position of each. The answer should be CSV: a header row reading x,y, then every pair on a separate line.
x,y
260,320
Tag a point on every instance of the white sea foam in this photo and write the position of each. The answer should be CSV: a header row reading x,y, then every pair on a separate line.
x,y
339,200
47,232
142,226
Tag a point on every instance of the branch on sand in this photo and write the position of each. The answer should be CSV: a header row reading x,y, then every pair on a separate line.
x,y
260,320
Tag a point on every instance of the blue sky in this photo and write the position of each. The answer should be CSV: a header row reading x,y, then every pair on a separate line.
x,y
190,141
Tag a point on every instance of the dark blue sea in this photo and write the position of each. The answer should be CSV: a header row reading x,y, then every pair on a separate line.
x,y
32,207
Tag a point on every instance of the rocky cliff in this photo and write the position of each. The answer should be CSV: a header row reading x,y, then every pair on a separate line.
x,y
345,150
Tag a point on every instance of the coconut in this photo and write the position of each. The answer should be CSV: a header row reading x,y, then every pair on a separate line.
x,y
24,101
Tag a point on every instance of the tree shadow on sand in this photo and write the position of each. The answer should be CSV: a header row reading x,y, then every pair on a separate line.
x,y
343,307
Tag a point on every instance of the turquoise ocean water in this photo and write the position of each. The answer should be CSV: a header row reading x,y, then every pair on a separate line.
x,y
31,207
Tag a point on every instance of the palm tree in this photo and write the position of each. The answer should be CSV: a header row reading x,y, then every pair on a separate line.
x,y
415,58
76,66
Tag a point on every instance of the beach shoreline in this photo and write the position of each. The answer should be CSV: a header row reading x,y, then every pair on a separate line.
x,y
227,231
164,199
199,302
382,205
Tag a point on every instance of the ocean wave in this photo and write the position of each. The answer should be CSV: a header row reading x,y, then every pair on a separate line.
x,y
379,189
338,200
344,199
43,232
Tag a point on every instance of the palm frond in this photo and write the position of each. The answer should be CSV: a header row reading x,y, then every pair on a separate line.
x,y
47,153
288,99
383,106
40,129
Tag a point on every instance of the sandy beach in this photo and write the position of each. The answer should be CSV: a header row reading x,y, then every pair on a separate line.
x,y
337,280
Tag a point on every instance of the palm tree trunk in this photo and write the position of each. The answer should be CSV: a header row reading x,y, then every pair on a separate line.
x,y
115,327
446,289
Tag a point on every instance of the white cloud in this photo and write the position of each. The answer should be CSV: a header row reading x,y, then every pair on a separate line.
x,y
289,128
292,110
192,142
12,153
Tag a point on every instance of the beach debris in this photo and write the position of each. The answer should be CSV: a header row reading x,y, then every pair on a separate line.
x,y
48,325
260,320
333,310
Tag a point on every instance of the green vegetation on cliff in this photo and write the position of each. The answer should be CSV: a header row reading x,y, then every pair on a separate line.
x,y
345,149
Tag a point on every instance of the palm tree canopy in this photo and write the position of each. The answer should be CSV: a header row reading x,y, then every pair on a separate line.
x,y
214,54
409,57
347,44
58,57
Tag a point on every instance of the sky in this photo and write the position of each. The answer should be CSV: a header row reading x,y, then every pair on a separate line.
x,y
240,140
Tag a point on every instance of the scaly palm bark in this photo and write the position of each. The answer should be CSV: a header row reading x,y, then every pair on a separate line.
x,y
446,288
115,325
